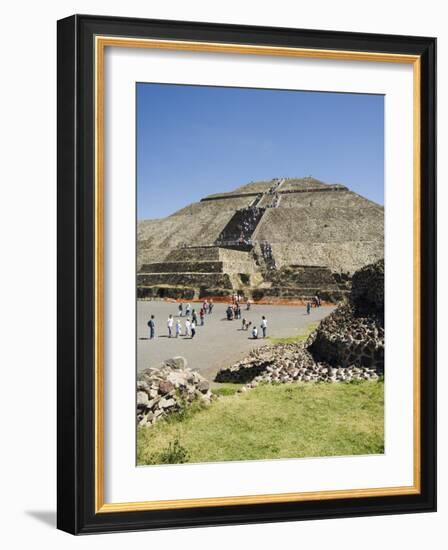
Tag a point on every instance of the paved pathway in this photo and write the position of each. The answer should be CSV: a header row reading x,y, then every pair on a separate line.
x,y
219,342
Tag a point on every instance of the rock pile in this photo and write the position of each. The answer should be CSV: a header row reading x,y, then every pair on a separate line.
x,y
289,363
347,345
168,388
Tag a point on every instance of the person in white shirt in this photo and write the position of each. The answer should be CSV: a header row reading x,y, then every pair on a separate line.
x,y
255,333
193,329
178,328
187,327
170,323
264,325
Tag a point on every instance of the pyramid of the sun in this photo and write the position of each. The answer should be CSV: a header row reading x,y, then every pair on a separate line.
x,y
284,238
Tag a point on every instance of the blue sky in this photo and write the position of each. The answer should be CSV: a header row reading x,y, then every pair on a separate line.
x,y
196,140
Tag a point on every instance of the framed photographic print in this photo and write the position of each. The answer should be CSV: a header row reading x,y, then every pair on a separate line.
x,y
246,274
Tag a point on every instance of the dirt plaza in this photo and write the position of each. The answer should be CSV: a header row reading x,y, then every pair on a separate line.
x,y
219,342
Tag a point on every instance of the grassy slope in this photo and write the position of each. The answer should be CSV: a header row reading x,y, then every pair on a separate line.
x,y
273,421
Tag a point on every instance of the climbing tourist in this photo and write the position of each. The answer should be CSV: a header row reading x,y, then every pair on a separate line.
x,y
264,326
170,323
152,327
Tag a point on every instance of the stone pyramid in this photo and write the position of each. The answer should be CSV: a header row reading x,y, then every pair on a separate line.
x,y
286,238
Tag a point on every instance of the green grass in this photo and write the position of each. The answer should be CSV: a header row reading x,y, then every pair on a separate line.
x,y
271,421
297,338
226,389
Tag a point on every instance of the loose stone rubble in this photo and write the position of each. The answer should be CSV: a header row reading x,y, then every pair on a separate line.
x,y
347,345
168,388
285,363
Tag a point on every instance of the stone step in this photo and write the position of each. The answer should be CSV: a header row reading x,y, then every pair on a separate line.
x,y
332,294
241,226
183,267
195,280
198,267
195,254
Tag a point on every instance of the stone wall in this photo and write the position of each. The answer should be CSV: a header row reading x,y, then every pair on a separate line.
x,y
194,254
164,292
296,293
342,257
354,332
344,339
367,295
182,267
196,280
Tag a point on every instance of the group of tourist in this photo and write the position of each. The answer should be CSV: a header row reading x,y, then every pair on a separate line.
x,y
264,327
251,216
237,302
190,327
241,227
191,322
175,326
207,307
233,311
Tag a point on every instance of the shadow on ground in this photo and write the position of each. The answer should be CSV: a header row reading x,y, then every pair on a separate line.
x,y
48,517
